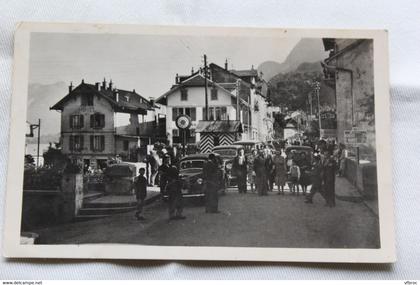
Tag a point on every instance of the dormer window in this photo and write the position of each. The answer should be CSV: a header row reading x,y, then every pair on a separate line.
x,y
184,94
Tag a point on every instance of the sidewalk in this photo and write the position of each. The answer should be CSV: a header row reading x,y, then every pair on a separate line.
x,y
345,191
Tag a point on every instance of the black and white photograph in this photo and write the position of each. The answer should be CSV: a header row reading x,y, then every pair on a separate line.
x,y
200,141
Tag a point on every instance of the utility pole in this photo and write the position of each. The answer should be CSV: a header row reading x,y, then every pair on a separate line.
x,y
39,135
238,95
317,88
206,117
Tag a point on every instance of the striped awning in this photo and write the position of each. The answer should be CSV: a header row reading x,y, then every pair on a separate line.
x,y
226,126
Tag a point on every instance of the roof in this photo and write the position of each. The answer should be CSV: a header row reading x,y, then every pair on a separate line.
x,y
247,142
126,101
228,146
245,73
226,126
196,80
198,156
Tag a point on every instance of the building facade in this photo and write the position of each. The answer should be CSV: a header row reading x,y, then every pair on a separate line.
x,y
350,65
88,123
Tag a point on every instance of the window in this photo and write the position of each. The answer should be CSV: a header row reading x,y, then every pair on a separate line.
x,y
216,113
184,94
87,99
187,111
97,143
192,133
216,140
76,143
97,121
175,133
125,145
76,121
213,96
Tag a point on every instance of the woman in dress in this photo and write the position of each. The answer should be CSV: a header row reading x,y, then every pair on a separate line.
x,y
280,171
251,172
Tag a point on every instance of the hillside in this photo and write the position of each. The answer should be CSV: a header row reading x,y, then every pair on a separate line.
x,y
306,51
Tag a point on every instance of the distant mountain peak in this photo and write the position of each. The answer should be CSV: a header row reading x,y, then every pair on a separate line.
x,y
307,50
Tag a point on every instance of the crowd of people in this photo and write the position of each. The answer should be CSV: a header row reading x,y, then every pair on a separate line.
x,y
264,169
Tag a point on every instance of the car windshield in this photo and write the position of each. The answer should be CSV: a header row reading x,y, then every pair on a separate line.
x,y
188,164
226,152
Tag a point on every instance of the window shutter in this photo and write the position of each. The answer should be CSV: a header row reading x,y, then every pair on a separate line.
x,y
71,143
193,116
82,123
71,122
92,146
81,142
102,143
92,121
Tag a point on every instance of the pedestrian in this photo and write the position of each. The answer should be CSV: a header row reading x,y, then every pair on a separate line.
x,y
294,173
316,179
173,188
280,171
342,160
251,172
261,174
269,165
329,167
140,187
163,173
211,177
240,169
154,166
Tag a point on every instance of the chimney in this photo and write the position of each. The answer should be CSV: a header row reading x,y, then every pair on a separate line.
x,y
116,95
97,85
83,81
71,86
103,84
152,101
192,70
226,64
110,84
176,79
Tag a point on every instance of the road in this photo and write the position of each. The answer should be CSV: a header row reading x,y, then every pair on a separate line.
x,y
245,220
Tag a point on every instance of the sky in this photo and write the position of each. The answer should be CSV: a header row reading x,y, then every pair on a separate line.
x,y
146,63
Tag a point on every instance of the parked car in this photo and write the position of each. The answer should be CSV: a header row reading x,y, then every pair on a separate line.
x,y
228,153
191,173
295,152
249,145
119,177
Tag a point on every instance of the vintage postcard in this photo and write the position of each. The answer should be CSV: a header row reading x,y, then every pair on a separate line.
x,y
199,143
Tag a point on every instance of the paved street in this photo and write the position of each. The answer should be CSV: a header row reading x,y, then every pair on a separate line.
x,y
245,220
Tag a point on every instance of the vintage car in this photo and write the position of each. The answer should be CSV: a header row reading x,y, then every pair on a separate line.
x,y
302,155
191,173
119,177
228,153
249,145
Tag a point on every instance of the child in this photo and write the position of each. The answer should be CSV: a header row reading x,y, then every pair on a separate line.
x,y
294,173
140,187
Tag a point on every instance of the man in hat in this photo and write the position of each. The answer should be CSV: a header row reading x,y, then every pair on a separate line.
x,y
211,176
173,188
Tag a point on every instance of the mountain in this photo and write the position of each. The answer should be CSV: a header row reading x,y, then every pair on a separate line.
x,y
40,98
306,51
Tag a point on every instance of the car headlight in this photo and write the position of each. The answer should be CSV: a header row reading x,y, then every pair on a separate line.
x,y
200,181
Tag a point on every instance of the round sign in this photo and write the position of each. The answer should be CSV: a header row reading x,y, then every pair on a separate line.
x,y
183,122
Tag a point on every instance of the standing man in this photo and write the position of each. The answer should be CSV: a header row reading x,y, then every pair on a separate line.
x,y
173,188
269,165
211,177
140,187
163,173
316,179
261,176
329,166
239,167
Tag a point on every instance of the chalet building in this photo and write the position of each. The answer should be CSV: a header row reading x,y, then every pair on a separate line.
x,y
236,97
88,123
